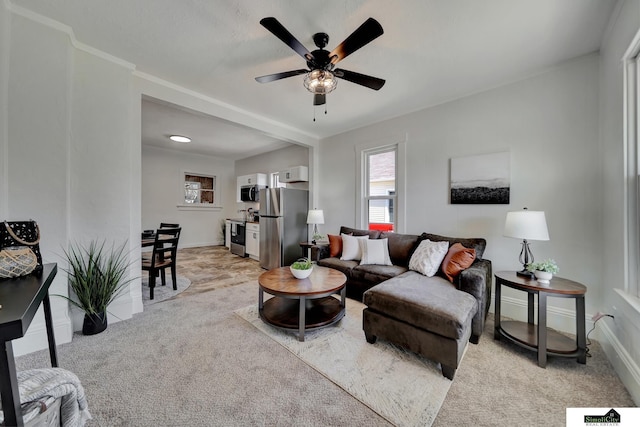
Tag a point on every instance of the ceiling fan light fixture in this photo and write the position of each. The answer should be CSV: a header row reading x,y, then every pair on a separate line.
x,y
180,138
320,81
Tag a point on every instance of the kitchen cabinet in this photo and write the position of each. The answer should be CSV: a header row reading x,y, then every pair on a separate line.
x,y
294,174
252,240
227,234
253,179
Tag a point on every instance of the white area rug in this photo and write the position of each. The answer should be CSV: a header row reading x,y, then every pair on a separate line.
x,y
162,293
404,388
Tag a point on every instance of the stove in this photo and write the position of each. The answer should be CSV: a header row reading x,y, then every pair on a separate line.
x,y
237,245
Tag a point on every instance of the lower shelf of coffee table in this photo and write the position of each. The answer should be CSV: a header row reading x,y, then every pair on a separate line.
x,y
285,312
526,334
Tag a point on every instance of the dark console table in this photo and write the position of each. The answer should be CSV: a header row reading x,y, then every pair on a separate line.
x,y
20,299
538,337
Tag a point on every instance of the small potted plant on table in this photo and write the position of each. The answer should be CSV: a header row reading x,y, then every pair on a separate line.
x,y
302,268
544,270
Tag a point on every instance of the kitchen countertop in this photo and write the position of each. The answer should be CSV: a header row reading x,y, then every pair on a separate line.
x,y
242,220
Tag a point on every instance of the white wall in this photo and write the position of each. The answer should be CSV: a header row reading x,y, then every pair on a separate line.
x,y
5,28
274,161
68,155
101,170
161,193
623,345
36,177
549,124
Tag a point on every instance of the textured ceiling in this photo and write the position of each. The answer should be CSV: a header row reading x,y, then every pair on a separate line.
x,y
431,51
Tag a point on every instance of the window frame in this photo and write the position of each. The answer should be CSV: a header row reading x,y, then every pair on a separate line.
x,y
362,152
631,123
217,197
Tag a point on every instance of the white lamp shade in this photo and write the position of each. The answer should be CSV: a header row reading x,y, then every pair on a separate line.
x,y
315,216
527,225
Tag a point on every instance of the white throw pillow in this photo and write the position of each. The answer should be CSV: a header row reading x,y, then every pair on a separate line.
x,y
351,248
428,257
375,251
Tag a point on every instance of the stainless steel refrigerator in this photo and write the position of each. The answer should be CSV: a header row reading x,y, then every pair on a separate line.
x,y
283,225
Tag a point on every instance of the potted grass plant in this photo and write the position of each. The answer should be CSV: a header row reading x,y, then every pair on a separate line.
x,y
97,276
544,270
302,268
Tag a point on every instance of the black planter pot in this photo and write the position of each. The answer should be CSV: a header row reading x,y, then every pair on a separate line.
x,y
94,323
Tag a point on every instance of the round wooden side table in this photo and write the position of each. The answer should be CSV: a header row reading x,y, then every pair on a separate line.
x,y
538,337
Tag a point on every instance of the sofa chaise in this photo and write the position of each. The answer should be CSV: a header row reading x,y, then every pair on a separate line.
x,y
435,315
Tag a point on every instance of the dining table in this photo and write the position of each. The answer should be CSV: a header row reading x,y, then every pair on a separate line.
x,y
147,241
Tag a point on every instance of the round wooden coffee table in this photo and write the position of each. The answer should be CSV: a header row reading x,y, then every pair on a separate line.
x,y
302,304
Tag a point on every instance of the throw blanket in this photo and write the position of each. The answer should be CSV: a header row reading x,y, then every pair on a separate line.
x,y
40,387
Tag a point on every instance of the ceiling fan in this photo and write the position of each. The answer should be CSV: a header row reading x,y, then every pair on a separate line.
x,y
321,76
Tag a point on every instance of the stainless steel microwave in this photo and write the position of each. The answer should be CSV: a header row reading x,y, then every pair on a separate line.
x,y
250,193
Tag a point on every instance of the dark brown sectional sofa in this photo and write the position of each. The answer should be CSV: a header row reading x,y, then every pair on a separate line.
x,y
476,280
428,315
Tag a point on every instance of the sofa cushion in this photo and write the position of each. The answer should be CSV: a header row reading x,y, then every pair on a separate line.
x,y
376,273
351,247
428,256
458,258
429,303
478,244
335,245
338,264
401,246
374,251
373,234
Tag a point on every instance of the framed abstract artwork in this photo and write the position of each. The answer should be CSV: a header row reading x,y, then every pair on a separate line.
x,y
480,179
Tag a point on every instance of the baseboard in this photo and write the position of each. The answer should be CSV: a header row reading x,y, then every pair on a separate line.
x,y
36,337
559,319
198,245
622,362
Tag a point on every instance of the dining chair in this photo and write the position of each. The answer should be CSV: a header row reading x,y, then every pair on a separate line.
x,y
163,256
168,225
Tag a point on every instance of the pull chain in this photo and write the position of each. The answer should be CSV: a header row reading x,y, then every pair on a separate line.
x,y
314,111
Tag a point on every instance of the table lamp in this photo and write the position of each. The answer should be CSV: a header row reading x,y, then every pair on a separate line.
x,y
526,225
315,217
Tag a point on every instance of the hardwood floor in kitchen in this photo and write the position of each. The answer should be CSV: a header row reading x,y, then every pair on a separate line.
x,y
214,267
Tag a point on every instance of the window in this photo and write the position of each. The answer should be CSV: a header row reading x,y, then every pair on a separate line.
x,y
198,189
380,205
380,188
632,177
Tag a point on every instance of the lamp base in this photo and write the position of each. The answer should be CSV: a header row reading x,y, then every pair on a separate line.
x,y
525,273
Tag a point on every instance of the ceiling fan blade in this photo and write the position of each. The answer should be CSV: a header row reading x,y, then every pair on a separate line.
x,y
361,79
319,99
278,76
370,30
278,30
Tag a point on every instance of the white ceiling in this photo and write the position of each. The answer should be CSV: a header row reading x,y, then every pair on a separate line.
x,y
432,51
209,135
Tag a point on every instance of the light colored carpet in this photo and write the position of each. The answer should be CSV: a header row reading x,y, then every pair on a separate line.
x,y
191,361
162,293
402,387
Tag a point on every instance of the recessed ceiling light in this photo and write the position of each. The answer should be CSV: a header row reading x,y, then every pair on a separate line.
x,y
178,138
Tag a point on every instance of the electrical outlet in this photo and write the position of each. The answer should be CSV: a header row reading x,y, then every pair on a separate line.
x,y
597,316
